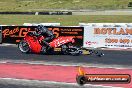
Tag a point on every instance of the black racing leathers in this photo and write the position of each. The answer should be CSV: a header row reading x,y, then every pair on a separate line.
x,y
47,34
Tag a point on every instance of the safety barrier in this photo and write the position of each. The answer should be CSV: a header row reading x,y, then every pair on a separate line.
x,y
95,35
39,13
44,24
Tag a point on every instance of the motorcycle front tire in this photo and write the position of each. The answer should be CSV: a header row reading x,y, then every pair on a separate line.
x,y
22,47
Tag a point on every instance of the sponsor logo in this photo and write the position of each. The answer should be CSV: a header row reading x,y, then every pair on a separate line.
x,y
90,43
109,78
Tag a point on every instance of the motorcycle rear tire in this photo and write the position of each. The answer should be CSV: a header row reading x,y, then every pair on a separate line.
x,y
64,49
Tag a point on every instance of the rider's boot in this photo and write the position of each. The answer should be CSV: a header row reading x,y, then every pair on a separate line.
x,y
43,49
47,45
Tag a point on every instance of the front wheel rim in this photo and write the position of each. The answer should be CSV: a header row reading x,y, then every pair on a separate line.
x,y
24,47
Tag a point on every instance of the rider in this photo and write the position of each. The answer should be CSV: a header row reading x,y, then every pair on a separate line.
x,y
43,31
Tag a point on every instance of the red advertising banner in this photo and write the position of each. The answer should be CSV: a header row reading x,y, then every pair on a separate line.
x,y
13,34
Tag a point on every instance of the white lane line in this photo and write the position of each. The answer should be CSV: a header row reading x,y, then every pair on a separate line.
x,y
5,44
66,64
51,84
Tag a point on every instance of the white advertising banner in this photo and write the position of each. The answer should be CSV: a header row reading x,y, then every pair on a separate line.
x,y
110,37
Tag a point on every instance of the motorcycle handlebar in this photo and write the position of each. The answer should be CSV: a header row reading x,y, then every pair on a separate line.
x,y
30,34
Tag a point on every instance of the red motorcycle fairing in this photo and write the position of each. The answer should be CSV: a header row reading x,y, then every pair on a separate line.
x,y
35,46
61,41
33,43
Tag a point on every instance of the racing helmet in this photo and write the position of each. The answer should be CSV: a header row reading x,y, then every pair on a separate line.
x,y
40,28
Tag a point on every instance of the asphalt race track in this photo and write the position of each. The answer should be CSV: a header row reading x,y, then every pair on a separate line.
x,y
121,58
112,59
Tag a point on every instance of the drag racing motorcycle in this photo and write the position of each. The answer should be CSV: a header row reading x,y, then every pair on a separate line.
x,y
32,44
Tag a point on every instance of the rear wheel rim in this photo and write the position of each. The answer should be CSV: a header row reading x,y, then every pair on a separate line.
x,y
64,47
